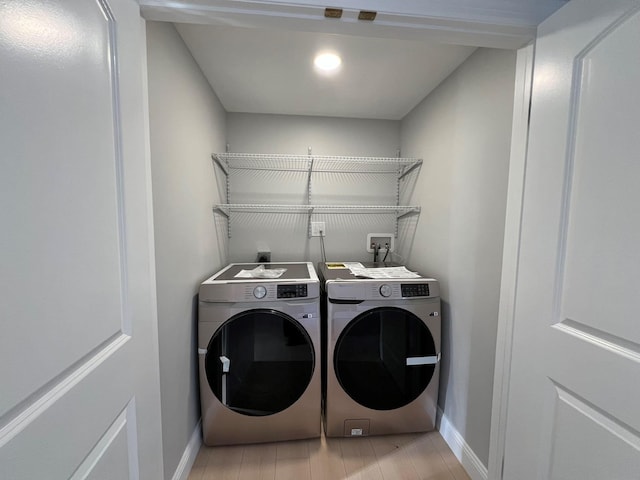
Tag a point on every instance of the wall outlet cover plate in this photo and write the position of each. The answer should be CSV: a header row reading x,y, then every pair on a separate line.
x,y
381,239
316,228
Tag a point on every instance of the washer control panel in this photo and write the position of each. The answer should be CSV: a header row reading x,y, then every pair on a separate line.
x,y
296,290
414,289
388,289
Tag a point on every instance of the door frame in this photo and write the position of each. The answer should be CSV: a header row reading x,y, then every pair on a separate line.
x,y
510,254
507,24
463,28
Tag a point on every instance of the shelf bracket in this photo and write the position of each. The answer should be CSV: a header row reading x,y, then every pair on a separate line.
x,y
410,169
309,181
225,169
221,211
309,221
413,211
220,164
310,166
224,213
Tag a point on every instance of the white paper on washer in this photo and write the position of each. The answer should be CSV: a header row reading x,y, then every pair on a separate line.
x,y
261,272
384,272
352,265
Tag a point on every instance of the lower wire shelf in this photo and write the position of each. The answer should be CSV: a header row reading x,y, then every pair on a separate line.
x,y
400,211
227,208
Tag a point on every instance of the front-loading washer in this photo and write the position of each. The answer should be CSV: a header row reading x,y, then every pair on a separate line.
x,y
382,345
259,353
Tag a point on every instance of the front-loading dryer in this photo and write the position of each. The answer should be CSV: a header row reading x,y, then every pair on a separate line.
x,y
382,343
259,353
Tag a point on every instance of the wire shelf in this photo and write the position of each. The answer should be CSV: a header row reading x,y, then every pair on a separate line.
x,y
311,165
315,163
400,210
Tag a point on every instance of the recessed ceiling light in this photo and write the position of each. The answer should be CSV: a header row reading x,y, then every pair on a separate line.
x,y
327,62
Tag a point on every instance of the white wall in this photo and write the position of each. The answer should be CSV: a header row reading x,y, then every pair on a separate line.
x,y
187,124
285,235
462,130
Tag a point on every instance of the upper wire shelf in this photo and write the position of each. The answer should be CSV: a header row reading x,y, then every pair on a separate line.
x,y
315,163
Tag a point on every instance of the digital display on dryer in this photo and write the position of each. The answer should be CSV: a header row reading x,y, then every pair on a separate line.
x,y
298,290
415,289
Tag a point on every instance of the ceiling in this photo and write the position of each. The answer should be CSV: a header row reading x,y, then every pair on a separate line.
x,y
271,71
257,54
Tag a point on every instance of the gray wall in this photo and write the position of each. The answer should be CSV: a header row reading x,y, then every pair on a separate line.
x,y
285,235
462,130
257,133
187,124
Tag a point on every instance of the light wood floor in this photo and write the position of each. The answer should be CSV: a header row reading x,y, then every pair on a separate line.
x,y
423,456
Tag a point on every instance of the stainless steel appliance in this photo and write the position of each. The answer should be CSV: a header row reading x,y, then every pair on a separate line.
x,y
259,354
382,343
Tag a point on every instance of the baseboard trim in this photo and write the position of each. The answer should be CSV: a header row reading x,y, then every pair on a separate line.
x,y
463,452
189,455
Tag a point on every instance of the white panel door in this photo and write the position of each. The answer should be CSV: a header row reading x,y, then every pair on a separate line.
x,y
78,346
574,400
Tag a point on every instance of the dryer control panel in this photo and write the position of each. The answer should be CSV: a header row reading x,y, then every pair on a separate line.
x,y
255,291
298,290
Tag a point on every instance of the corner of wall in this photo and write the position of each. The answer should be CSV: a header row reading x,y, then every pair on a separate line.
x,y
463,452
189,456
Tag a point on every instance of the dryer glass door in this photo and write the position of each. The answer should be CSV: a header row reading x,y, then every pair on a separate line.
x,y
259,362
385,358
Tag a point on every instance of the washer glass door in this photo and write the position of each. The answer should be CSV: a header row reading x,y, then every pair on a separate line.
x,y
259,362
385,358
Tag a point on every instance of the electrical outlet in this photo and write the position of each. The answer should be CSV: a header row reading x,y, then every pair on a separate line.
x,y
263,256
381,239
316,228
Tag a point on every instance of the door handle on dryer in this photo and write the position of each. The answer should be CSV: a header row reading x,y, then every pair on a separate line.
x,y
226,363
430,360
225,369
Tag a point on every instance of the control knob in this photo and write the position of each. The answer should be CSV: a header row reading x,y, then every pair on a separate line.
x,y
385,290
259,292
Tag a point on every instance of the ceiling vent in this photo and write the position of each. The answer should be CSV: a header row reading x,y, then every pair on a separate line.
x,y
367,15
333,12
